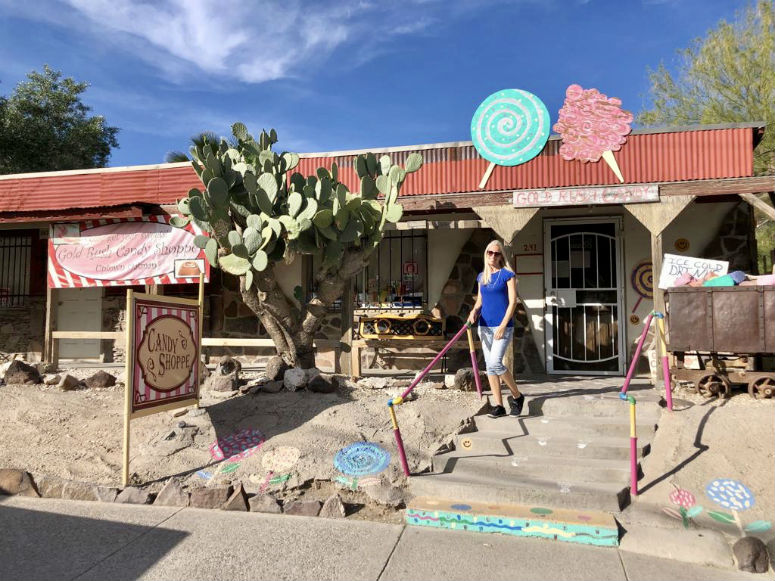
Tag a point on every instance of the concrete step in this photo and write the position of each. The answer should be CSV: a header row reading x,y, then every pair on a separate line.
x,y
573,526
558,470
558,443
594,405
488,488
578,426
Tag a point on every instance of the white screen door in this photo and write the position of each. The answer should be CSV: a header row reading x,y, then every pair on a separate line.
x,y
584,296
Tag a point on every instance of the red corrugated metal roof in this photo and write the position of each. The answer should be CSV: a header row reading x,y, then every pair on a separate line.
x,y
647,157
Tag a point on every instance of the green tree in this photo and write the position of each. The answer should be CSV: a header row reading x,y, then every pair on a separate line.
x,y
44,126
258,212
726,77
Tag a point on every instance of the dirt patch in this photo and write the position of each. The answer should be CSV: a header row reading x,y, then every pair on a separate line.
x,y
279,443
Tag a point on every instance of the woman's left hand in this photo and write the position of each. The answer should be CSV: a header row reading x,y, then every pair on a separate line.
x,y
499,332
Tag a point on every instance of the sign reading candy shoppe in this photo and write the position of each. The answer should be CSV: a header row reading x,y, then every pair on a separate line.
x,y
586,196
124,252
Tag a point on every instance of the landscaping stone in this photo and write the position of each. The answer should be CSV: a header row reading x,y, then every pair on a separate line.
x,y
311,373
172,494
385,494
214,497
333,507
751,555
50,487
238,500
133,495
264,503
323,383
303,507
51,379
76,490
449,380
275,368
19,372
272,387
226,376
14,481
106,494
294,379
466,381
68,382
100,380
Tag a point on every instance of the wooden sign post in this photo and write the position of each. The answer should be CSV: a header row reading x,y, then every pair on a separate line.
x,y
163,354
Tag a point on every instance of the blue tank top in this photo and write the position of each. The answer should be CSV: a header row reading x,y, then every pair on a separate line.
x,y
495,298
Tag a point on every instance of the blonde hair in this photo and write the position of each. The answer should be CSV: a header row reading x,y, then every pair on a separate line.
x,y
487,272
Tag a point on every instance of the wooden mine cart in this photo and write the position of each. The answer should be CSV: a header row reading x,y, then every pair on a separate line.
x,y
732,332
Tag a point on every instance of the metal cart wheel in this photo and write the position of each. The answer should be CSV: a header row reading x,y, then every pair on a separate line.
x,y
712,384
762,388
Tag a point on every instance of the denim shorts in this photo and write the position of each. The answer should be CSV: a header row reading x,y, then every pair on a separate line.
x,y
494,349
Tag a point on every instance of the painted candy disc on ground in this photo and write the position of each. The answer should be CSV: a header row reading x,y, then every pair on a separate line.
x,y
361,458
510,127
237,446
281,459
730,494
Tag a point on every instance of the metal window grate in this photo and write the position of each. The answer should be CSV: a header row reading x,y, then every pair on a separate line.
x,y
15,255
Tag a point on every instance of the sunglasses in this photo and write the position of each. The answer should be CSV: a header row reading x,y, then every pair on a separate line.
x,y
493,253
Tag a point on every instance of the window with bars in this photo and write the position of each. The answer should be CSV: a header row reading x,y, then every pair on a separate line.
x,y
15,259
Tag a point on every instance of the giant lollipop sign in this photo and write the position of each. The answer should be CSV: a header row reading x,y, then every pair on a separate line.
x,y
592,126
510,127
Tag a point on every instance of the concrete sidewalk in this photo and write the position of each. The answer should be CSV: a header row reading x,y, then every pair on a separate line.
x,y
57,539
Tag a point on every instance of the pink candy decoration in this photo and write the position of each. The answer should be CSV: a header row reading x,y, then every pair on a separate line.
x,y
590,124
682,498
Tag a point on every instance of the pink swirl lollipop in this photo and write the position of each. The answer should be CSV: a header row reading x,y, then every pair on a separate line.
x,y
592,126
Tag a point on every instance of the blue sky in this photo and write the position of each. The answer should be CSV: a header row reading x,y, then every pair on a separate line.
x,y
340,74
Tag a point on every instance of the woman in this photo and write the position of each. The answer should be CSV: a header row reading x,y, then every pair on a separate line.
x,y
495,302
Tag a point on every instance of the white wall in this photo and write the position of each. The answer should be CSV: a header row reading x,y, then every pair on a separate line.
x,y
444,247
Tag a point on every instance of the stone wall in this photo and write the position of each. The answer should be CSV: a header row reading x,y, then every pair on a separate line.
x,y
22,330
736,240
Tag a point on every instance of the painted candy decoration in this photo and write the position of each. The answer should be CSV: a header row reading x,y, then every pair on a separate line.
x,y
510,127
361,459
682,498
237,446
592,126
730,494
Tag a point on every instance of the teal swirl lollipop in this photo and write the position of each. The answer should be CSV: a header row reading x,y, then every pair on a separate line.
x,y
510,127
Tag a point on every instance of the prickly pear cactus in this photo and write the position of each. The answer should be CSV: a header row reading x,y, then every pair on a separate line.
x,y
257,210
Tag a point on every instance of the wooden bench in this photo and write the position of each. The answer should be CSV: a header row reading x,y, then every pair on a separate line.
x,y
437,344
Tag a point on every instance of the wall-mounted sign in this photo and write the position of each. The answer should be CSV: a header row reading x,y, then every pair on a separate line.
x,y
674,265
586,196
124,252
682,245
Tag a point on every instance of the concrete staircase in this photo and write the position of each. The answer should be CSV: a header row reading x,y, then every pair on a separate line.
x,y
569,450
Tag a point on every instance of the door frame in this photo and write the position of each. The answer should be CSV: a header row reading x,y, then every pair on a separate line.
x,y
620,292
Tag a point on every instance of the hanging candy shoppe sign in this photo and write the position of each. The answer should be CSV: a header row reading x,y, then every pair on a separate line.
x,y
124,252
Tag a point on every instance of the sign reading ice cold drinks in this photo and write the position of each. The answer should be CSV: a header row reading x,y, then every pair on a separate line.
x,y
124,252
674,265
165,355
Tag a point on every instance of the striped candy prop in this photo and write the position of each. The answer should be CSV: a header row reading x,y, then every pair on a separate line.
x,y
510,127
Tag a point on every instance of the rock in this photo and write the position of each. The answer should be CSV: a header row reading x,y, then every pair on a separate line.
x,y
106,494
121,378
133,495
323,383
196,412
228,366
275,368
303,507
51,379
238,500
19,372
221,383
75,490
449,380
375,382
100,380
333,507
50,487
272,387
172,494
68,382
465,380
223,394
13,481
264,503
385,494
204,371
393,393
751,555
294,379
311,373
214,497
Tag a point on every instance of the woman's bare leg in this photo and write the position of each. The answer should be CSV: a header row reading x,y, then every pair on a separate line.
x,y
495,388
508,379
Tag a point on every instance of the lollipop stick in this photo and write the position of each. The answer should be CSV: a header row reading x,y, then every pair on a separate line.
x,y
486,176
609,158
635,308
